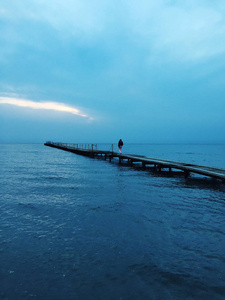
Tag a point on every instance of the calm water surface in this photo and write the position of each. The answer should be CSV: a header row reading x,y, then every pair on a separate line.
x,y
73,227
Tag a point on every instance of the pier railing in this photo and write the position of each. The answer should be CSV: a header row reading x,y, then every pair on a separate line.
x,y
74,146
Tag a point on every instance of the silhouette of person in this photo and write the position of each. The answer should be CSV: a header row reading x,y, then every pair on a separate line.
x,y
120,145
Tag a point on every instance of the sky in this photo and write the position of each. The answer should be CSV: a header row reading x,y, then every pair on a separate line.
x,y
95,71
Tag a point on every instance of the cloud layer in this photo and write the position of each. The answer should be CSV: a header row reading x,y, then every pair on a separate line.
x,y
149,67
61,107
190,30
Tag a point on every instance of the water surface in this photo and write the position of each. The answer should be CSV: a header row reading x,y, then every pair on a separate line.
x,y
73,227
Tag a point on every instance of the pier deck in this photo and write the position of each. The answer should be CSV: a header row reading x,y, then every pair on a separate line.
x,y
158,164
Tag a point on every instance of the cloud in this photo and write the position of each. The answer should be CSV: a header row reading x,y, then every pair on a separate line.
x,y
187,30
166,29
83,19
61,107
190,31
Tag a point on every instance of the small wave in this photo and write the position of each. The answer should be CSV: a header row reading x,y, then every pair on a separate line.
x,y
27,205
54,177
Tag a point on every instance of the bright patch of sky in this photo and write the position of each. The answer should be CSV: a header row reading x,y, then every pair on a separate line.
x,y
146,71
41,105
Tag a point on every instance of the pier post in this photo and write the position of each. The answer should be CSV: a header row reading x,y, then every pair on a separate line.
x,y
129,161
186,174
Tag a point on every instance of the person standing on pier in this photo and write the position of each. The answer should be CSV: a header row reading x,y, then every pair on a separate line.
x,y
120,145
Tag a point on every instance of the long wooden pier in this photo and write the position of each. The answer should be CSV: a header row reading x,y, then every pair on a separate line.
x,y
158,164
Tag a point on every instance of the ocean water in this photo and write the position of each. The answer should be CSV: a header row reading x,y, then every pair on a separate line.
x,y
74,227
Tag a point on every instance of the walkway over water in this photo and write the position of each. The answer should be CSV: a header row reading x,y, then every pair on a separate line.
x,y
158,164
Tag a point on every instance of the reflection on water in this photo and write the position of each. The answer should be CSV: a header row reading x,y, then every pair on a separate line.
x,y
79,228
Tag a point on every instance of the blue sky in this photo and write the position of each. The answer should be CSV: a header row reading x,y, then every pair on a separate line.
x,y
97,70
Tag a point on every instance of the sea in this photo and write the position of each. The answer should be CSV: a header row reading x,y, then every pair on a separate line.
x,y
74,227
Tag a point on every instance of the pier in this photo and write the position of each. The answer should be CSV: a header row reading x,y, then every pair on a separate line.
x,y
158,164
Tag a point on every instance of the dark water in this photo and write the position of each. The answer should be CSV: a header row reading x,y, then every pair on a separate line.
x,y
79,228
